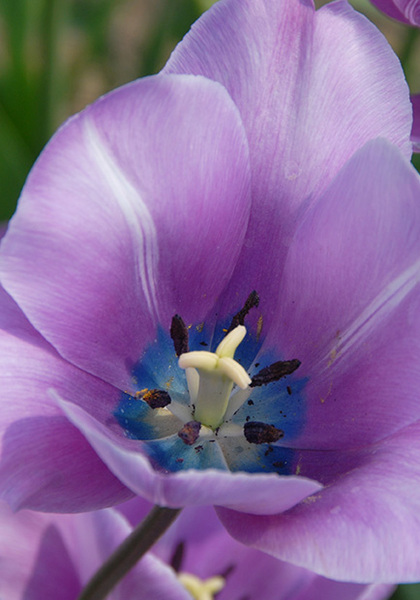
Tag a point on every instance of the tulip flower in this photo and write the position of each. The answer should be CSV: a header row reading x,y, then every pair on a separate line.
x,y
210,295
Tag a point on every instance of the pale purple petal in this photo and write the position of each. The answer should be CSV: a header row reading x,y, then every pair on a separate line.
x,y
31,549
377,591
326,104
415,132
365,527
407,11
349,303
46,463
256,493
3,229
312,88
137,207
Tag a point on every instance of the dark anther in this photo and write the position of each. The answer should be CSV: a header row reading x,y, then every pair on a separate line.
x,y
190,432
252,301
177,556
179,335
261,433
275,372
157,398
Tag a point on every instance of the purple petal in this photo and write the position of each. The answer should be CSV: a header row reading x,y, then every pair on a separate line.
x,y
46,463
255,493
312,88
349,303
137,208
415,132
375,507
407,11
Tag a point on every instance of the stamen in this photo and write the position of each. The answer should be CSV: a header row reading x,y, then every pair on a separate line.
x,y
190,432
201,589
275,372
217,372
199,359
261,433
230,342
193,382
252,301
156,398
232,369
179,335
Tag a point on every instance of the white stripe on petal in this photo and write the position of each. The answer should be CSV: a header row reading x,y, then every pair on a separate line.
x,y
135,211
412,11
378,310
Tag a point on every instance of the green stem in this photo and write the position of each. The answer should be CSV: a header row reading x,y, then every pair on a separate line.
x,y
407,50
129,552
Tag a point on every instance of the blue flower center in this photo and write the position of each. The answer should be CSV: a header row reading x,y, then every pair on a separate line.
x,y
214,409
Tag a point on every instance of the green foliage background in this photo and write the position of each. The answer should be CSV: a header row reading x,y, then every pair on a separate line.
x,y
56,56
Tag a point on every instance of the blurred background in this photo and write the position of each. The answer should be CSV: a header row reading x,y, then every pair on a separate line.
x,y
56,56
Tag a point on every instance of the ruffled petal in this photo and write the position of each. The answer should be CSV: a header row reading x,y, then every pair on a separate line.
x,y
255,493
137,207
46,464
375,507
350,300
